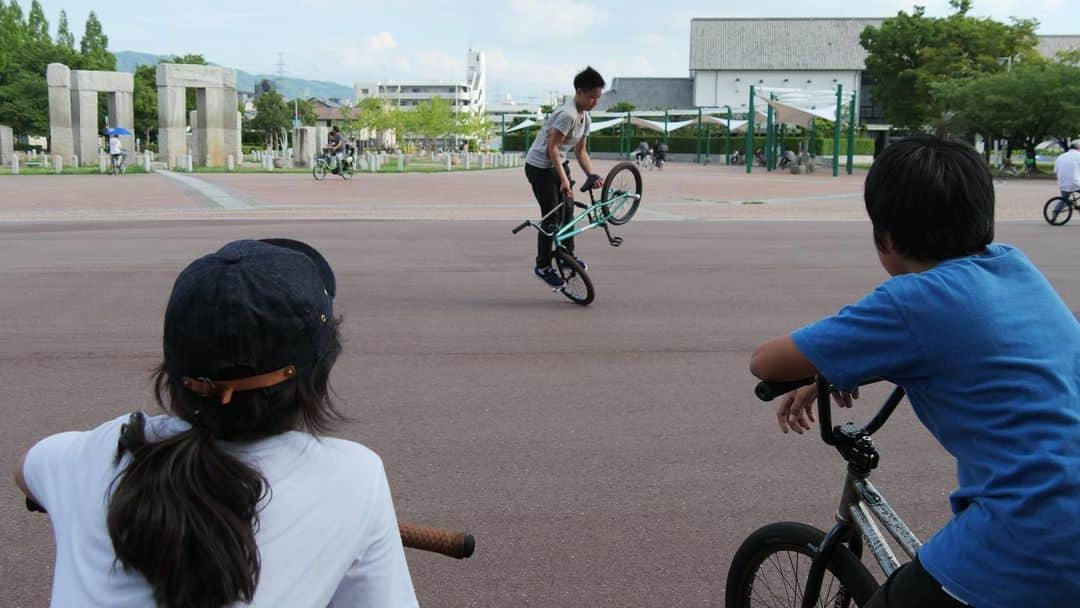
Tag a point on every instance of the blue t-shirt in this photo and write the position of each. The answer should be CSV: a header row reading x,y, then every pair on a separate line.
x,y
989,355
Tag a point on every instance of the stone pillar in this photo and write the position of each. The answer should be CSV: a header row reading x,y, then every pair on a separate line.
x,y
14,165
146,160
209,126
230,163
400,162
58,77
7,144
103,162
172,129
122,114
85,123
58,163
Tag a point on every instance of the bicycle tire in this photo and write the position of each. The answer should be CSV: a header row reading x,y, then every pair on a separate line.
x,y
1055,219
318,171
851,583
579,287
347,171
624,212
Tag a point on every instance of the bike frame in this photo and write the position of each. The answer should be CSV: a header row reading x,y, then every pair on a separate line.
x,y
860,502
598,212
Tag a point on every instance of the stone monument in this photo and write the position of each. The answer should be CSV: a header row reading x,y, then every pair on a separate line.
x,y
215,131
73,104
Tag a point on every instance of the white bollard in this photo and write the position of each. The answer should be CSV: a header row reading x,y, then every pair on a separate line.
x,y
449,163
103,162
468,161
74,161
15,164
230,163
400,162
146,160
58,163
372,163
189,164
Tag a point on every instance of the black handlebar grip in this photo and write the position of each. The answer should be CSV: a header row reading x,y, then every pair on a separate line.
x,y
767,391
523,226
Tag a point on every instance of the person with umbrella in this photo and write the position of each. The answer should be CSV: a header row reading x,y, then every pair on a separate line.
x,y
116,151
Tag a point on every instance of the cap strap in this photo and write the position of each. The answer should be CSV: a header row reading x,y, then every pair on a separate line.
x,y
225,388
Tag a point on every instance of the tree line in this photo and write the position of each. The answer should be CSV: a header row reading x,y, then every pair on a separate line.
x,y
965,77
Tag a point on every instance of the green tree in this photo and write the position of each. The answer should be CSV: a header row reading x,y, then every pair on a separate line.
x,y
37,27
911,53
622,106
430,120
474,126
64,37
1035,100
145,100
305,109
94,47
272,115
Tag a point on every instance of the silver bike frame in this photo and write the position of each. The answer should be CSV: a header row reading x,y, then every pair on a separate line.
x,y
860,505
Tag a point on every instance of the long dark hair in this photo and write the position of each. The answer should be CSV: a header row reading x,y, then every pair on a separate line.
x,y
184,513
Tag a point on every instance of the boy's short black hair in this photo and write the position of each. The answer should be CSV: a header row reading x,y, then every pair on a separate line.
x,y
589,79
934,198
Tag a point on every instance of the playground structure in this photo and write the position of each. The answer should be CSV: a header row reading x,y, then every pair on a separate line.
x,y
773,109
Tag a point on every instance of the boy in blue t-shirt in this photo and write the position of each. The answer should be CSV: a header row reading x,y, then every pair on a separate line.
x,y
989,356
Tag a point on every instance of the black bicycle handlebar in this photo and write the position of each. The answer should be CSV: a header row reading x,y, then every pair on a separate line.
x,y
767,391
521,227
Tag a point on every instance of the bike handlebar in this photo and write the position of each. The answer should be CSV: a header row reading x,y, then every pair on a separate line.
x,y
767,391
458,545
521,227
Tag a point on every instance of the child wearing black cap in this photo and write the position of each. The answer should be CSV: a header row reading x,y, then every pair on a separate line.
x,y
232,497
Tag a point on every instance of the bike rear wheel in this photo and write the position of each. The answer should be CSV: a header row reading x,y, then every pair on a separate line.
x,y
1053,215
347,170
771,566
623,179
318,171
579,287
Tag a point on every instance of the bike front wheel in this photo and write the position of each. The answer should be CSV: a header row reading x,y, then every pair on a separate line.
x,y
347,171
771,566
579,287
622,183
318,171
1057,211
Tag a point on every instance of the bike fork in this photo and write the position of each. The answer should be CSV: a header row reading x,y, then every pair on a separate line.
x,y
835,538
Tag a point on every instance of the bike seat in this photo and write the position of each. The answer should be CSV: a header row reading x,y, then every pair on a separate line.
x,y
590,182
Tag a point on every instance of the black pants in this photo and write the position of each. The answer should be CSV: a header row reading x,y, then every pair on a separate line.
x,y
912,586
545,187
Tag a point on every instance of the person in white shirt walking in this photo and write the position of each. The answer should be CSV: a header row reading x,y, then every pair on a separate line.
x,y
116,152
1067,168
233,497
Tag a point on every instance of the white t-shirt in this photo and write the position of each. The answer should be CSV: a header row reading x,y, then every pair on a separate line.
x,y
1067,167
327,536
114,145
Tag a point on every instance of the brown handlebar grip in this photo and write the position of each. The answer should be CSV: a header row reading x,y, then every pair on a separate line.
x,y
458,545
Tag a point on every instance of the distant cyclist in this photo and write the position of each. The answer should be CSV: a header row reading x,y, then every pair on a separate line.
x,y
1067,168
335,146
548,171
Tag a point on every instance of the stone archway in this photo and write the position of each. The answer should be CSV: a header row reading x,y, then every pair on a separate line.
x,y
215,125
73,105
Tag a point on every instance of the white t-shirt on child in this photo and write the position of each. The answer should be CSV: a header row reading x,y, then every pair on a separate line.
x,y
327,536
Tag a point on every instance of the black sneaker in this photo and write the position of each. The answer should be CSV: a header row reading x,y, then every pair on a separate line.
x,y
580,262
548,275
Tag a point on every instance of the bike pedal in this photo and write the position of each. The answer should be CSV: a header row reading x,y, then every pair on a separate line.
x,y
616,241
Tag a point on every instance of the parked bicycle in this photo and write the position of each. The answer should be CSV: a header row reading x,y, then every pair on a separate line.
x,y
619,200
794,564
1059,209
324,163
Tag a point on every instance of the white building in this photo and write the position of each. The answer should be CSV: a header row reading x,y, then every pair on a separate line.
x,y
727,56
469,95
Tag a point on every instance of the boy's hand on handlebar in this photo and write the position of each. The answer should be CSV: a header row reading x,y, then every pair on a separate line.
x,y
796,409
564,186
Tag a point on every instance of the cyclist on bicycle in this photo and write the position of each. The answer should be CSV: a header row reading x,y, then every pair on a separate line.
x,y
659,153
549,173
335,146
116,152
989,356
642,151
1067,168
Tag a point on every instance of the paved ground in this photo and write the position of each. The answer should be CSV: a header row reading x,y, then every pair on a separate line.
x,y
610,455
679,192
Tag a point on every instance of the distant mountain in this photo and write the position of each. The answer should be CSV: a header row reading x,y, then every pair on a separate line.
x,y
127,61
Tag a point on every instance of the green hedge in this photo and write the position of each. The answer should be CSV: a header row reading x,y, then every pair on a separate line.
x,y
688,145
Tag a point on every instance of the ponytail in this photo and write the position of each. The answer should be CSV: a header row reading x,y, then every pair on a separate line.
x,y
184,515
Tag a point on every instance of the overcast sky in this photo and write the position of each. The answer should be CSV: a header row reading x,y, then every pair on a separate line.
x,y
533,46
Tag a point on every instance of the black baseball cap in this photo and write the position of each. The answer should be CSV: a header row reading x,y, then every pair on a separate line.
x,y
253,315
